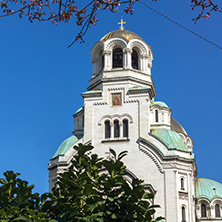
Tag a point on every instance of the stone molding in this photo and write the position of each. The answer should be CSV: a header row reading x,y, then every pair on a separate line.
x,y
112,117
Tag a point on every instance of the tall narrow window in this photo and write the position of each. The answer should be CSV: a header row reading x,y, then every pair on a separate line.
x,y
156,116
182,184
117,58
116,128
107,129
203,210
183,214
102,62
125,128
217,210
135,60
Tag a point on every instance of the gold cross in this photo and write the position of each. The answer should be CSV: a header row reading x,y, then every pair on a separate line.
x,y
121,23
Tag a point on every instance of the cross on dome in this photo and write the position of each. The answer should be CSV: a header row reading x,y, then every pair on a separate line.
x,y
121,23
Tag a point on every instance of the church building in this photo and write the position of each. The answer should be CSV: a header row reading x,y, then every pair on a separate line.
x,y
120,112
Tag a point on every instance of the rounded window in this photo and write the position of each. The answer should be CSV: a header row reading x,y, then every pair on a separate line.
x,y
107,129
135,64
117,58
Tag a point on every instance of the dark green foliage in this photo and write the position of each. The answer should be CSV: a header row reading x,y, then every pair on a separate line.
x,y
17,202
94,189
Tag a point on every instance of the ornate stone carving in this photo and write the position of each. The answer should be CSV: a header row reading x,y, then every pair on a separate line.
x,y
183,196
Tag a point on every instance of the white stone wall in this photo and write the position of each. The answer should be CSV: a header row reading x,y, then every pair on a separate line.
x,y
151,161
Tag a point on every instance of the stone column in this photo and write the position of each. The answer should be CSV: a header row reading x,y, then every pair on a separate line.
x,y
121,129
144,63
107,60
127,58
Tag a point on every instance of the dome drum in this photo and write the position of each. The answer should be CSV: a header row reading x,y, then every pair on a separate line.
x,y
122,47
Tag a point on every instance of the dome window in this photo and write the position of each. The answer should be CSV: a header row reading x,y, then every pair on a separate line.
x,y
117,58
135,64
217,210
116,129
203,210
107,129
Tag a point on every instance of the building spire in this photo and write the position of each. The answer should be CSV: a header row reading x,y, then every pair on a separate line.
x,y
121,23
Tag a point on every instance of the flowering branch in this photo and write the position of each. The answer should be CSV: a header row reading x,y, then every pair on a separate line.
x,y
63,10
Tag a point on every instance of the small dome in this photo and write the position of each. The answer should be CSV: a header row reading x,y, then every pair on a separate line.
x,y
170,138
66,144
175,126
206,188
159,103
125,34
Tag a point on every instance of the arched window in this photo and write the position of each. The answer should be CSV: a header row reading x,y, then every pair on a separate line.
x,y
135,60
183,214
156,116
217,210
125,128
102,62
182,184
203,210
117,58
107,129
116,129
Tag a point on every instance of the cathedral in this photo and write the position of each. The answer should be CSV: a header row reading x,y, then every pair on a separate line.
x,y
120,112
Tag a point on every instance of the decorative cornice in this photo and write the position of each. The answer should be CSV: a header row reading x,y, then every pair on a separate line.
x,y
152,92
115,89
139,91
89,95
152,157
131,101
100,104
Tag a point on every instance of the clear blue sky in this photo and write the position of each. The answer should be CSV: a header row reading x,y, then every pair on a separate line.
x,y
41,82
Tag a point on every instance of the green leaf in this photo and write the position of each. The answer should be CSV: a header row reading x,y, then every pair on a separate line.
x,y
113,152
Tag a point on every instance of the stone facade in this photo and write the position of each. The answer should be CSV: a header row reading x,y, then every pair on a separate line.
x,y
120,113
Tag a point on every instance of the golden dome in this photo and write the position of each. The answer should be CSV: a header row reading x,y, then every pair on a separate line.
x,y
125,34
175,126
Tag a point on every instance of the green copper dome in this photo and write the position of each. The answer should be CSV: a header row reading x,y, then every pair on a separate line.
x,y
159,103
66,144
79,110
206,188
170,138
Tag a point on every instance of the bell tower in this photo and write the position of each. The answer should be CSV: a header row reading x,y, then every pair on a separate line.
x,y
122,54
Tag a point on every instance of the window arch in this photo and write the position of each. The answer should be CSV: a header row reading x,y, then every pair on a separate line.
x,y
107,129
182,184
217,210
116,129
183,211
117,58
203,210
125,128
135,60
156,116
